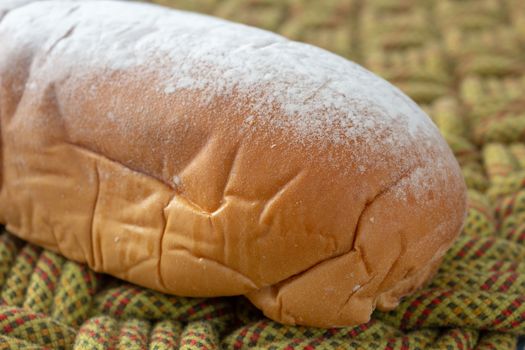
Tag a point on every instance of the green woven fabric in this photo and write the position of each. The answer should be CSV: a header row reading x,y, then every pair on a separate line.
x,y
463,61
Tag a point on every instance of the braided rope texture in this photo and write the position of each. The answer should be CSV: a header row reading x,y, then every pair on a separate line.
x,y
463,61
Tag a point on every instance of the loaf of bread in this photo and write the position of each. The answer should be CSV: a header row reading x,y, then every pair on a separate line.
x,y
199,157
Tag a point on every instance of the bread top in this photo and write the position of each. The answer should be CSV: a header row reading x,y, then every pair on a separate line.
x,y
266,159
246,81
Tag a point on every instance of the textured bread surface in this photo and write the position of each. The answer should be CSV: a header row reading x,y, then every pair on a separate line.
x,y
203,158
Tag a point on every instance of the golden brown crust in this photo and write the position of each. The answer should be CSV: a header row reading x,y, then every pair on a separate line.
x,y
196,194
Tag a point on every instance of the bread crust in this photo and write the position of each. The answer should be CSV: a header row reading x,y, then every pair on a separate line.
x,y
196,192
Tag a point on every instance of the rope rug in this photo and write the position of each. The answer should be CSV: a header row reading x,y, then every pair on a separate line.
x,y
463,61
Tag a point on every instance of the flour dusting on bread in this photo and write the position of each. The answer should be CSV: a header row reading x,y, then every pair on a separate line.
x,y
322,97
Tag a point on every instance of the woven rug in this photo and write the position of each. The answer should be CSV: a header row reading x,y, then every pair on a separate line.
x,y
463,61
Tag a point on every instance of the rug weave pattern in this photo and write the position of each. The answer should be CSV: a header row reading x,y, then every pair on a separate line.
x,y
463,61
